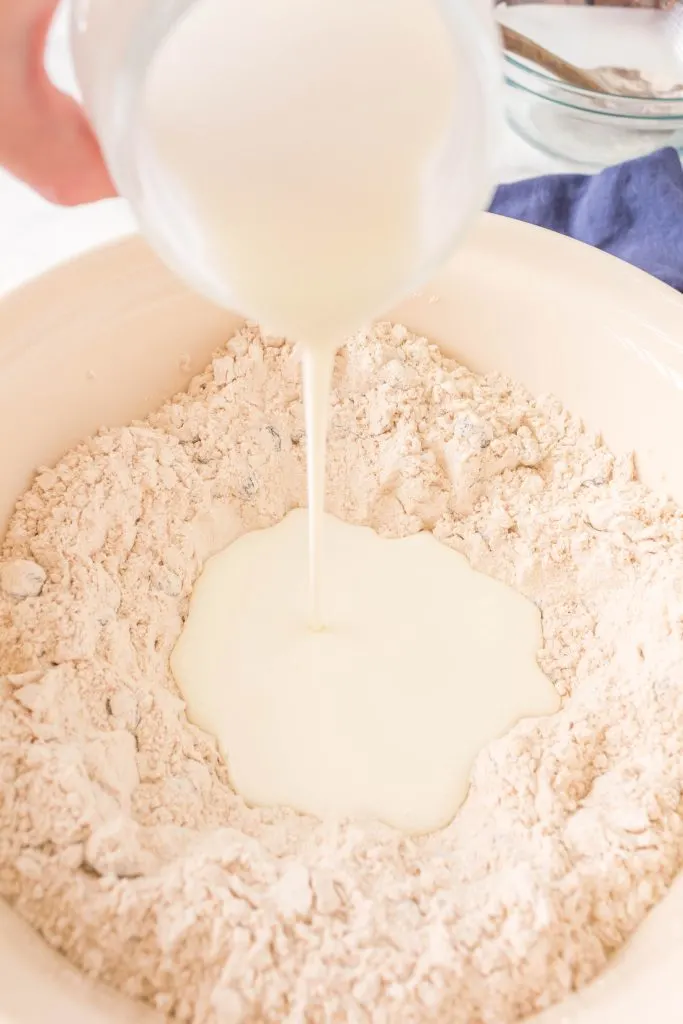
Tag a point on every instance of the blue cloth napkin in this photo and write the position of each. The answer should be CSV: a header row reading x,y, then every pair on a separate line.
x,y
633,210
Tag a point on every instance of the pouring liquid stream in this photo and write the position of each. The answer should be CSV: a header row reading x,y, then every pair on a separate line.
x,y
313,224
317,366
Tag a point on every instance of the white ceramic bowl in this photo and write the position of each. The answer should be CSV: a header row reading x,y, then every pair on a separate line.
x,y
104,339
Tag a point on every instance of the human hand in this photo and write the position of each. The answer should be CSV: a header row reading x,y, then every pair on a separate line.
x,y
45,139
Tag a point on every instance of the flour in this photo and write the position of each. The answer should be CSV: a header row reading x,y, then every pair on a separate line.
x,y
120,838
632,82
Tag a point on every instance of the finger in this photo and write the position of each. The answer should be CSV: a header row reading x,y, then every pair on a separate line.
x,y
45,138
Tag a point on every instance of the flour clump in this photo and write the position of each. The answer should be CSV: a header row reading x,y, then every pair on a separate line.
x,y
121,840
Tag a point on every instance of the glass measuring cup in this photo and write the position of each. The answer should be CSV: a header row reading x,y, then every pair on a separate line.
x,y
115,43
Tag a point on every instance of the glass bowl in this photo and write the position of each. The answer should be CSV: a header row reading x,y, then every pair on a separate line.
x,y
585,127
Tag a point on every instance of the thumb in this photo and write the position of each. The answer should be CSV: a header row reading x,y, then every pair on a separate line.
x,y
45,138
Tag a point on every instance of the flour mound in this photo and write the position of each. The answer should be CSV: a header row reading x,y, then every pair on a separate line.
x,y
121,840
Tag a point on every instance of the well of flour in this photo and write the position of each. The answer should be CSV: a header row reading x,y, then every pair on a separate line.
x,y
379,715
121,838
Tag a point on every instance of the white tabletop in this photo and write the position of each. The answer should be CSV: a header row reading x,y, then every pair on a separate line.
x,y
35,235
